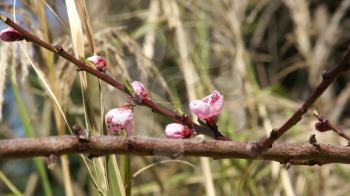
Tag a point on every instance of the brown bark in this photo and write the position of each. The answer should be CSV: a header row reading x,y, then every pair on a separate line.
x,y
300,154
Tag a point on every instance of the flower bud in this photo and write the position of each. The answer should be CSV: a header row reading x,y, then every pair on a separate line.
x,y
322,126
10,35
177,131
99,62
209,107
118,119
139,89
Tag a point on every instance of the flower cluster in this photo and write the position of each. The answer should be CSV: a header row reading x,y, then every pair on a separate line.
x,y
207,109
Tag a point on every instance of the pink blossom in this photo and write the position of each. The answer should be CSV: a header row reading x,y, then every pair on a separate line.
x,y
99,62
139,89
118,119
177,131
209,107
10,35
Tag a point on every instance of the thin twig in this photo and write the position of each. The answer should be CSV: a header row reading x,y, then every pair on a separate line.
x,y
183,119
328,126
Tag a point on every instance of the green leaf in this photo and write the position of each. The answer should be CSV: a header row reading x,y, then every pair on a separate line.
x,y
116,185
128,86
125,168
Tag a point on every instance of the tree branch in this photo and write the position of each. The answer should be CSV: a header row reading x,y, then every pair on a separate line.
x,y
301,154
179,118
327,79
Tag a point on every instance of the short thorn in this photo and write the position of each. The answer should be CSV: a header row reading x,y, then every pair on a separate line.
x,y
273,134
58,48
303,110
325,75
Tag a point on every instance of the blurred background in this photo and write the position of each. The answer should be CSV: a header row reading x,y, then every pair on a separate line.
x,y
265,56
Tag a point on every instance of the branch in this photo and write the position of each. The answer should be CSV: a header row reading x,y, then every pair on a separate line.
x,y
179,118
301,154
327,79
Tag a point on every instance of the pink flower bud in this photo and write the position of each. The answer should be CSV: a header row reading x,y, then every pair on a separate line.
x,y
99,62
10,35
118,119
209,107
140,89
177,131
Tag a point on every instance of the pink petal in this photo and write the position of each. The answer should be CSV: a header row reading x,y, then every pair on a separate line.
x,y
217,104
201,109
99,61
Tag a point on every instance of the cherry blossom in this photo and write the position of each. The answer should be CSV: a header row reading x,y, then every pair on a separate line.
x,y
209,107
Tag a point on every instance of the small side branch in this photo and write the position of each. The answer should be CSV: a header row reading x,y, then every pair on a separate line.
x,y
327,79
299,154
81,66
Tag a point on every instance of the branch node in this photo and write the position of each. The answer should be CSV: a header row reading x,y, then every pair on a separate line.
x,y
135,99
182,117
313,141
58,48
325,75
299,119
303,110
82,134
254,148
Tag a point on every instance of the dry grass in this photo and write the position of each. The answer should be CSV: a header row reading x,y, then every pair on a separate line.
x,y
264,56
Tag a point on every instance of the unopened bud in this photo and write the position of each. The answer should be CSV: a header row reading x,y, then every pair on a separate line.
x,y
139,89
10,35
322,126
177,131
100,62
